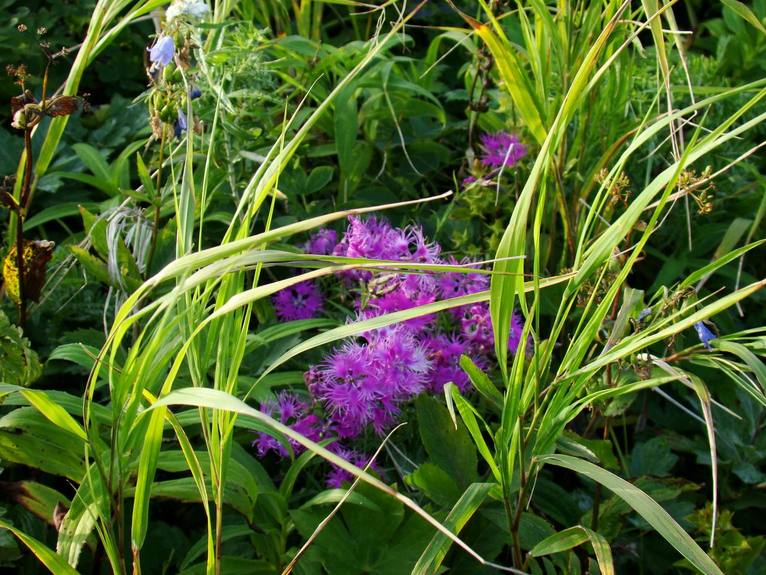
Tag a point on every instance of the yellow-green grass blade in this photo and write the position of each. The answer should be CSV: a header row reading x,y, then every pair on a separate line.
x,y
46,556
571,538
433,555
52,411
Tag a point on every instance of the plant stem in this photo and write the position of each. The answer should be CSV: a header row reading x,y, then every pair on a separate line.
x,y
516,542
597,494
157,208
22,208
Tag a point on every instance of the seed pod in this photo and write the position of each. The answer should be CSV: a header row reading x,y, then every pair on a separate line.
x,y
169,113
168,72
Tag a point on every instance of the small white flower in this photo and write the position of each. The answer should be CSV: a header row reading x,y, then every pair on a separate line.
x,y
191,9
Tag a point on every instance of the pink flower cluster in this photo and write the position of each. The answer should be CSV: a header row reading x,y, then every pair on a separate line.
x,y
364,382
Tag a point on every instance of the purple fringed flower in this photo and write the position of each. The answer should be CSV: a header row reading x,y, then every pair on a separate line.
x,y
290,410
372,239
375,238
363,385
514,337
502,149
300,301
163,51
476,329
445,351
322,243
456,284
705,335
419,249
337,477
400,292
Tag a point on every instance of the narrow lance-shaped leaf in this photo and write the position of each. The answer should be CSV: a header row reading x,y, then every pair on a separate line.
x,y
572,537
46,556
644,505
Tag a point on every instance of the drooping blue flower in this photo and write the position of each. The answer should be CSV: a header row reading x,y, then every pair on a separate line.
x,y
180,125
163,51
194,93
705,335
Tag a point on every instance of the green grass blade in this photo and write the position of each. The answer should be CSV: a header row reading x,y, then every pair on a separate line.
x,y
46,556
572,537
644,505
469,502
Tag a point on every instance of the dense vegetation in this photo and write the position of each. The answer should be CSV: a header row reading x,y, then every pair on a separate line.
x,y
329,286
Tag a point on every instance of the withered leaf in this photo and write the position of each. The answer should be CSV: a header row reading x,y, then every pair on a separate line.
x,y
60,106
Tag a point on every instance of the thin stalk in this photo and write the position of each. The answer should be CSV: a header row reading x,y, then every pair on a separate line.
x,y
22,209
157,207
597,494
219,511
516,542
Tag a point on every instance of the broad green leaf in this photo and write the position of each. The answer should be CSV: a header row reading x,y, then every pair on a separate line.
x,y
146,467
145,177
288,481
435,483
96,163
448,446
19,364
332,496
79,353
53,412
319,178
39,499
471,418
481,381
29,438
